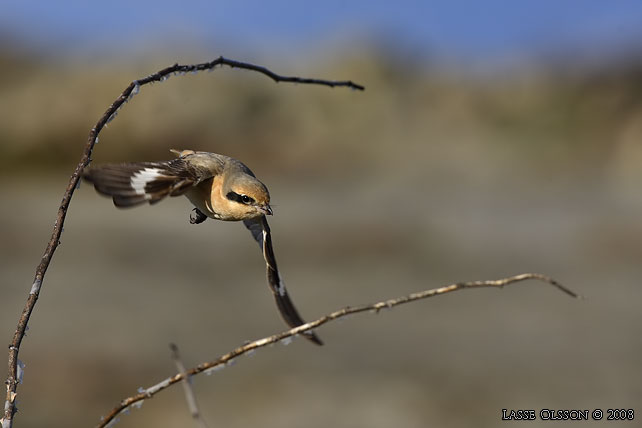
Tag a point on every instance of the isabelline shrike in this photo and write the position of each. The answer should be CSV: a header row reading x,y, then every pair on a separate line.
x,y
219,186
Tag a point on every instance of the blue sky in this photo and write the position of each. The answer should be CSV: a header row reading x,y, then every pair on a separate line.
x,y
481,29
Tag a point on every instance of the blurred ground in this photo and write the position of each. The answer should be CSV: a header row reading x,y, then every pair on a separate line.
x,y
430,176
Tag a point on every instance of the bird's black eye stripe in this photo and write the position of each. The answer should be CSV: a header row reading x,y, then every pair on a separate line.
x,y
243,199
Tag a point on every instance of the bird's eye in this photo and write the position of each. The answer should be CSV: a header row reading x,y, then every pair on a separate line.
x,y
243,199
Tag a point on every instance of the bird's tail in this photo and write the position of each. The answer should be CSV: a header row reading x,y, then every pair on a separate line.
x,y
131,184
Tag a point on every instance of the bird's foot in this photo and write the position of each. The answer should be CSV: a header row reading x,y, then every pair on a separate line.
x,y
197,217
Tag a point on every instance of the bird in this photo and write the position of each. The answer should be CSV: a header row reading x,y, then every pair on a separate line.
x,y
218,186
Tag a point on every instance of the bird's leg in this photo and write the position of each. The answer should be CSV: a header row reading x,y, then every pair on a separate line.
x,y
197,217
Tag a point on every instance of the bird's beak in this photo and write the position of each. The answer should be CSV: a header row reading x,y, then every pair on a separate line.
x,y
267,210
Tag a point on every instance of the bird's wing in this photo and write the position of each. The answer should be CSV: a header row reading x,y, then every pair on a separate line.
x,y
131,184
261,232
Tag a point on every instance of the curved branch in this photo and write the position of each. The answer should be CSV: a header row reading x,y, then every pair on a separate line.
x,y
131,90
260,343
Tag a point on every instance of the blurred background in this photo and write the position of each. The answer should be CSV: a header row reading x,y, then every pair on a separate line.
x,y
492,139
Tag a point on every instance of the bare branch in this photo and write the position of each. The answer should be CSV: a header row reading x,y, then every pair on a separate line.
x,y
131,90
190,397
374,307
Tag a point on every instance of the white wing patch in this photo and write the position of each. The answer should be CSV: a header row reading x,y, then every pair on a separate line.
x,y
281,287
140,179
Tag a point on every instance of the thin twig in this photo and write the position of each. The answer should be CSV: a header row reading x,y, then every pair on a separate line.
x,y
223,360
190,397
131,90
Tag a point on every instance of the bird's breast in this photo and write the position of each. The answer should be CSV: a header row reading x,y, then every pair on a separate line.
x,y
208,197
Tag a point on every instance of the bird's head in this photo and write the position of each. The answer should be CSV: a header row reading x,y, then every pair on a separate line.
x,y
251,195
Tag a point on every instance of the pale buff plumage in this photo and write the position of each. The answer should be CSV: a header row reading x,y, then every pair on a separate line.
x,y
219,186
